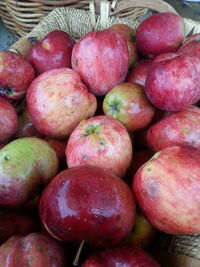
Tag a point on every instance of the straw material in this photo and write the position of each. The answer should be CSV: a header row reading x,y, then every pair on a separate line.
x,y
188,245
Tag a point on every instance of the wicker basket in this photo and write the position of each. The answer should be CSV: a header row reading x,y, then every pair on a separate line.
x,y
183,251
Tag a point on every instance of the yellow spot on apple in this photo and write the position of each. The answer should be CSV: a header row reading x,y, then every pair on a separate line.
x,y
46,46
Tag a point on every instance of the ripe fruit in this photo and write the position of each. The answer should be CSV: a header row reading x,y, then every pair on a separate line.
x,y
167,190
87,203
160,33
100,141
16,74
101,58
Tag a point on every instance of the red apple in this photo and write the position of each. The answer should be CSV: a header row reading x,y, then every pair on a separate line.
x,y
57,101
191,45
121,256
87,203
8,120
160,33
16,74
173,84
35,250
101,58
139,72
16,223
59,146
128,34
127,103
182,127
143,233
100,141
26,127
167,190
140,157
52,52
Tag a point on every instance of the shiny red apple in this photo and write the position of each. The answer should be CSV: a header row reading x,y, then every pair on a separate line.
x,y
121,256
52,52
87,203
173,84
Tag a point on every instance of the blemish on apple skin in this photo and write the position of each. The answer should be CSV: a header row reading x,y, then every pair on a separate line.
x,y
7,158
85,157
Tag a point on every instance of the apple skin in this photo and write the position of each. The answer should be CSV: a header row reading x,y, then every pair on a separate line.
x,y
17,223
101,58
125,256
35,250
191,45
87,203
160,33
26,164
59,146
127,103
140,157
167,190
8,120
170,89
52,52
178,128
25,126
57,101
93,142
16,74
139,72
128,34
143,233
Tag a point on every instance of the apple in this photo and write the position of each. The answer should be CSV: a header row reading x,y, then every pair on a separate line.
x,y
173,84
26,127
17,223
139,72
140,157
59,146
87,203
26,165
57,101
125,256
160,33
191,45
8,120
167,190
16,74
143,233
101,58
127,103
52,52
100,141
128,34
182,127
35,250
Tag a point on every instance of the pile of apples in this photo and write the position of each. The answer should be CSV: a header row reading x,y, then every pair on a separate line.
x,y
106,152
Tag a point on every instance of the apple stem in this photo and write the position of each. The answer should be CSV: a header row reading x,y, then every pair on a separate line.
x,y
76,260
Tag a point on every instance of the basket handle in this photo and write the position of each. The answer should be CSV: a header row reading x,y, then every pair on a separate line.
x,y
108,8
156,5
